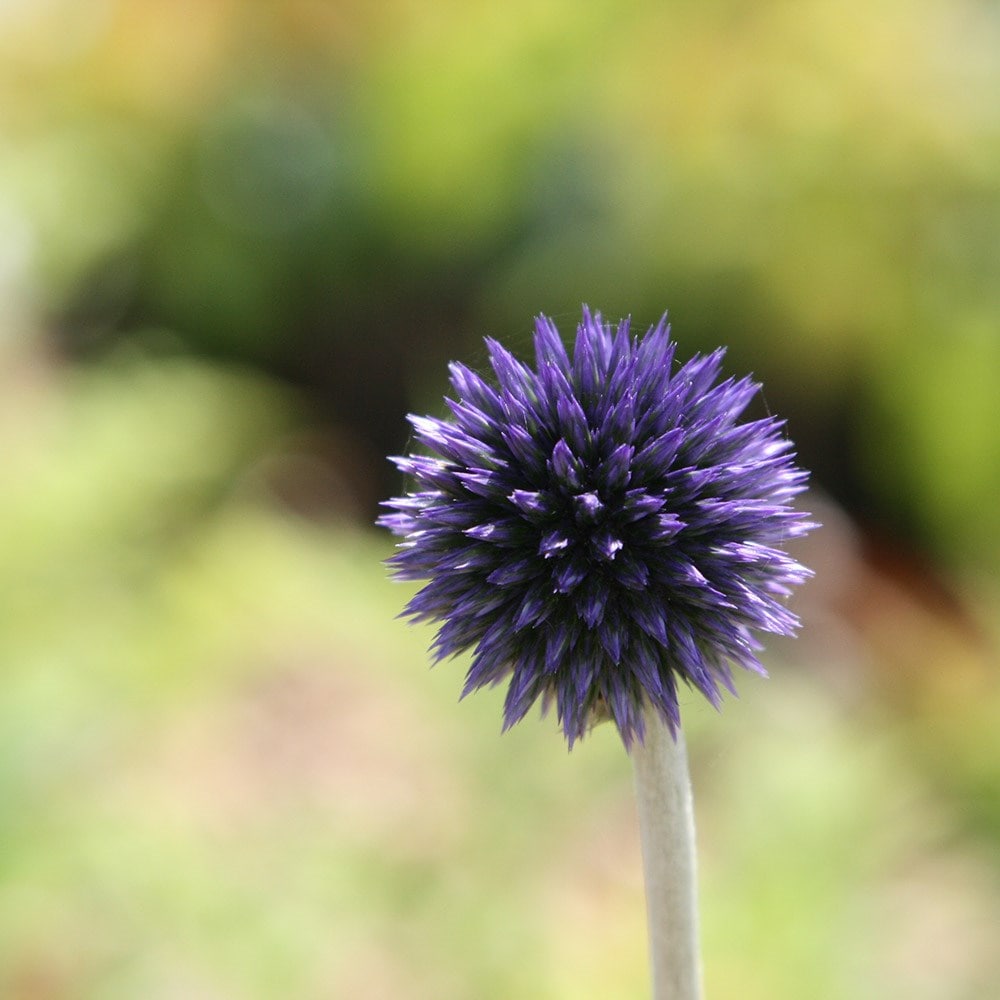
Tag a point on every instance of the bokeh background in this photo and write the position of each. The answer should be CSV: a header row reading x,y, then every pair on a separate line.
x,y
238,242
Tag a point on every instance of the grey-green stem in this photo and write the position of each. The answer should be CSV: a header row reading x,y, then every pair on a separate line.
x,y
666,828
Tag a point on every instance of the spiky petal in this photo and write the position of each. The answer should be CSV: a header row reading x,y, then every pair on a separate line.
x,y
600,527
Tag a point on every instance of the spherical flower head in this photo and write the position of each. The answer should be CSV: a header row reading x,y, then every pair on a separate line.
x,y
600,528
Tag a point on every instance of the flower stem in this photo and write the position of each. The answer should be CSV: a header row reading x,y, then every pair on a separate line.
x,y
666,829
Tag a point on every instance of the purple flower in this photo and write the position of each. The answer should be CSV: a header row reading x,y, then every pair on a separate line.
x,y
600,527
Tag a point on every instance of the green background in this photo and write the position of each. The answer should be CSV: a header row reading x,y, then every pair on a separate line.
x,y
238,240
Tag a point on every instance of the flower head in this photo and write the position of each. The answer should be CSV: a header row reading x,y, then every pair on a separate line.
x,y
600,527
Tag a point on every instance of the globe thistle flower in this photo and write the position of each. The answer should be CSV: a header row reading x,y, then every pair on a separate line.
x,y
601,528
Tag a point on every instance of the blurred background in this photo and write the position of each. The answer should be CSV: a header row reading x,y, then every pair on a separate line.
x,y
239,240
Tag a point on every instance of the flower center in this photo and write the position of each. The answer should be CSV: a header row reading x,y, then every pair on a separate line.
x,y
581,543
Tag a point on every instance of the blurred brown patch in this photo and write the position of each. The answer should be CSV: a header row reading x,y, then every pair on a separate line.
x,y
312,737
879,617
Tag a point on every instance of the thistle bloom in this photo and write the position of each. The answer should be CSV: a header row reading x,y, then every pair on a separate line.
x,y
600,527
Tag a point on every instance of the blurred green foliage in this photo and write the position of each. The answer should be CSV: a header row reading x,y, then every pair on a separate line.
x,y
224,769
322,188
226,773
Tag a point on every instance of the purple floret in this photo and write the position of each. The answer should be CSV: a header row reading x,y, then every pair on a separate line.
x,y
599,527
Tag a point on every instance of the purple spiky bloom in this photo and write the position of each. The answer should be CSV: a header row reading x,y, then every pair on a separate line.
x,y
600,527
